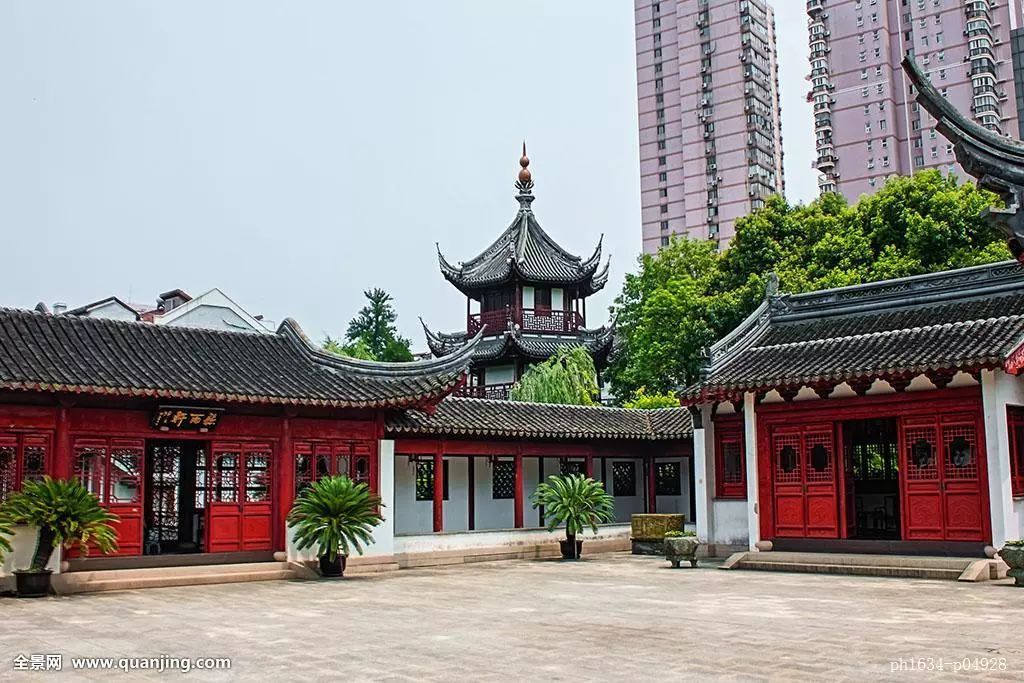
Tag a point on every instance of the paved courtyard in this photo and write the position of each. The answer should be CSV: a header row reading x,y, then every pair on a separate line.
x,y
610,617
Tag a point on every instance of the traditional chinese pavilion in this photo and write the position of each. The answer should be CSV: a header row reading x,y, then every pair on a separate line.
x,y
528,296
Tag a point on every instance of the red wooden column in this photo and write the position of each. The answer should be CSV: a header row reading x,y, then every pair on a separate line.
x,y
285,481
62,459
589,466
438,488
519,491
652,496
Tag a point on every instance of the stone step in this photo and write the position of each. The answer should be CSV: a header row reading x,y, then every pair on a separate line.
x,y
902,566
128,579
854,570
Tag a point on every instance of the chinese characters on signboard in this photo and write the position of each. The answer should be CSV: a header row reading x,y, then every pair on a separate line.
x,y
182,418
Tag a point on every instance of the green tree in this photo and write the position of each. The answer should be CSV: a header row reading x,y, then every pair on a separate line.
x,y
372,334
688,295
568,377
642,400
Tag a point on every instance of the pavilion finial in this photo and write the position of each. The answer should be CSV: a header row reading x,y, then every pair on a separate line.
x,y
525,182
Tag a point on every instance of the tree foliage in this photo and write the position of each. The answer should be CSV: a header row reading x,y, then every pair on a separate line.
x,y
372,334
689,295
643,400
568,377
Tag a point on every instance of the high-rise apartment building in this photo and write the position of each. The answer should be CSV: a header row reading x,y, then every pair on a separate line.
x,y
710,136
866,122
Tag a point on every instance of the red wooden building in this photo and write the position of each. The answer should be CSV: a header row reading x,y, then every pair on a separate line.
x,y
197,439
883,416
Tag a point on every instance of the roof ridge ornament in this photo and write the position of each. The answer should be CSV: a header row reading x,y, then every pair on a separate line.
x,y
525,182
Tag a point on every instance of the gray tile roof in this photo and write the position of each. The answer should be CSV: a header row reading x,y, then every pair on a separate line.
x,y
598,342
41,352
526,252
480,417
967,318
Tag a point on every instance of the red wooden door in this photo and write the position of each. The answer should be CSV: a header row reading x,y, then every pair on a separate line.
x,y
787,467
112,471
805,482
240,512
224,510
943,493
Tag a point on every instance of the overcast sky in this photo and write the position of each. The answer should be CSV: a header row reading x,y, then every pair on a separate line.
x,y
294,154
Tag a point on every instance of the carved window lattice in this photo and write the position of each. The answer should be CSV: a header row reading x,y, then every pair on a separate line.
x,y
567,467
624,478
225,477
90,469
8,469
1015,418
818,448
787,459
668,479
961,451
503,480
425,481
922,460
125,475
732,462
257,477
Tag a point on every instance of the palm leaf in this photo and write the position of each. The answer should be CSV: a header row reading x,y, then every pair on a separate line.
x,y
574,500
335,514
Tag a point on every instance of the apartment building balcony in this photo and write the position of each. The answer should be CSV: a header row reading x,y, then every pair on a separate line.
x,y
541,320
815,7
826,162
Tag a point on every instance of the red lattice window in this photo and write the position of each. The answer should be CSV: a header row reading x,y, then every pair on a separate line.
x,y
90,468
960,447
818,456
257,476
225,476
316,460
125,481
1015,422
23,457
730,463
922,453
786,453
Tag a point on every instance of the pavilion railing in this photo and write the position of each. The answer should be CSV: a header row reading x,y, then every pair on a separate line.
x,y
528,319
492,391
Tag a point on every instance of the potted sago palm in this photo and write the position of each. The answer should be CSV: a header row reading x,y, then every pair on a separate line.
x,y
576,501
64,514
335,516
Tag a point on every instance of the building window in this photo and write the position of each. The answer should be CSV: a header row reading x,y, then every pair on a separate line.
x,y
730,464
425,480
624,478
1015,422
668,479
664,240
23,457
503,480
567,467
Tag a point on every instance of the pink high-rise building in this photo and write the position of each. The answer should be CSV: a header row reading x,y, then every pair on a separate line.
x,y
867,125
710,136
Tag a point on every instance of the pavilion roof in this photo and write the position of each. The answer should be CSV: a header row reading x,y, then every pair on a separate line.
x,y
46,353
526,253
513,419
956,320
598,342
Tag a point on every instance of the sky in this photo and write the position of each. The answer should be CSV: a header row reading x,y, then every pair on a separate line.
x,y
296,154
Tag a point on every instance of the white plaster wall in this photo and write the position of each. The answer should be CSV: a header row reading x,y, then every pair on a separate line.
x,y
211,318
998,390
677,504
113,311
729,523
23,545
411,516
627,506
505,537
491,513
456,508
500,374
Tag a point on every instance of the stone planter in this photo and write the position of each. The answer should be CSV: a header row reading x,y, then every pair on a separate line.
x,y
681,548
1013,555
648,532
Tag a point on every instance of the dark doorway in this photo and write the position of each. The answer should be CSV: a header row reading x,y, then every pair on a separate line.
x,y
175,497
871,449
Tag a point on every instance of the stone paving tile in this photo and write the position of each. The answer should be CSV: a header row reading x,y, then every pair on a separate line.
x,y
611,617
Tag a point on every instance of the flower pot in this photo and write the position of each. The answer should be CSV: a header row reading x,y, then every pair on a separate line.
x,y
571,550
33,583
681,548
1013,556
332,569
